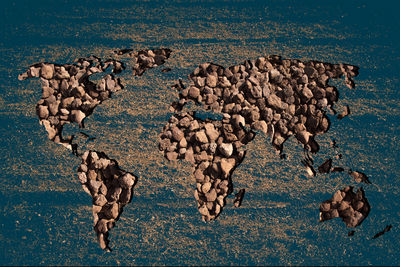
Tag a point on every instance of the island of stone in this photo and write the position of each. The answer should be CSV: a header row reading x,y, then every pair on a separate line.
x,y
69,96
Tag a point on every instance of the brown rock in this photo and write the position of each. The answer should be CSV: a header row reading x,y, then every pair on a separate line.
x,y
127,180
211,195
177,134
194,92
226,149
227,165
112,211
100,200
211,132
171,156
47,71
201,137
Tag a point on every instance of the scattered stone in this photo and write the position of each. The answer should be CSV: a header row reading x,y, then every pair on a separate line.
x,y
325,167
352,207
345,113
387,229
166,70
239,198
359,177
337,169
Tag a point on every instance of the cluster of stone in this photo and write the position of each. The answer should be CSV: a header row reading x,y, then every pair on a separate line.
x,y
290,95
68,95
281,97
110,187
146,59
352,207
213,147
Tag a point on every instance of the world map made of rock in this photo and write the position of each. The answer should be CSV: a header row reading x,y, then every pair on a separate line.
x,y
280,97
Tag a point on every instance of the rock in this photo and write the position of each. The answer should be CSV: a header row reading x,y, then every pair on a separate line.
x,y
171,156
102,241
43,112
211,81
274,101
199,176
303,137
100,200
125,196
177,134
127,180
194,92
201,137
227,165
211,195
112,211
203,210
260,126
82,177
239,198
47,91
337,197
211,132
205,188
101,226
47,71
307,93
94,186
78,116
325,206
226,149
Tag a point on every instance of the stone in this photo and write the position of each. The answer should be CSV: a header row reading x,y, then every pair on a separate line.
x,y
211,195
303,137
112,211
211,132
227,165
101,226
211,81
82,177
78,116
201,137
194,92
43,112
127,180
205,188
100,200
177,134
274,101
226,149
47,71
171,156
337,197
325,206
260,126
